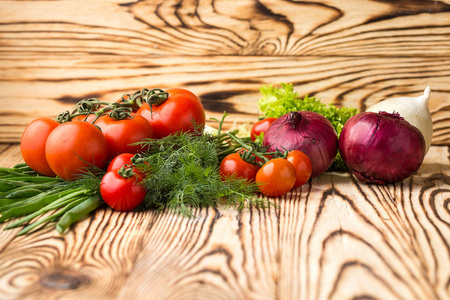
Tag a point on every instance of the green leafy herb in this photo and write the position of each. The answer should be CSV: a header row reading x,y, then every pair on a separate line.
x,y
184,175
277,101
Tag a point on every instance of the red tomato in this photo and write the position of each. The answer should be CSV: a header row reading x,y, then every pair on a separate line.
x,y
234,164
260,127
276,177
122,193
121,160
74,146
302,165
177,113
32,145
121,134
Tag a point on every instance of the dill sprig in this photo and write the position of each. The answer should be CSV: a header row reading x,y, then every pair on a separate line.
x,y
183,174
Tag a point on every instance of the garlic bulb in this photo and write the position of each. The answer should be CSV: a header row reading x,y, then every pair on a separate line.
x,y
412,109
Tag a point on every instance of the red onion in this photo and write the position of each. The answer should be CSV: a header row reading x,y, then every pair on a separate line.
x,y
308,132
381,147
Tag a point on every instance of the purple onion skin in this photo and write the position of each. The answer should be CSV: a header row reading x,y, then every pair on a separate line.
x,y
308,132
381,147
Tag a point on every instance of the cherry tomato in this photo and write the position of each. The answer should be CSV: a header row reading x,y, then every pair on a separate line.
x,y
74,146
276,177
124,159
302,165
122,193
260,127
32,145
234,164
121,134
177,113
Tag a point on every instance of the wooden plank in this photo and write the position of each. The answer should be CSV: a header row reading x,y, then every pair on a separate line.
x,y
223,83
225,27
220,255
348,53
334,238
10,155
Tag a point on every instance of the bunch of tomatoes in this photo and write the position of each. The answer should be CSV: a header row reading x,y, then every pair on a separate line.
x,y
94,136
274,176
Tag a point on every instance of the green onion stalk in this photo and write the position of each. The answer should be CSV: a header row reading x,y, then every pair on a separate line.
x,y
26,196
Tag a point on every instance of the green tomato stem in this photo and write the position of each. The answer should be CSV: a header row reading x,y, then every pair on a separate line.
x,y
250,149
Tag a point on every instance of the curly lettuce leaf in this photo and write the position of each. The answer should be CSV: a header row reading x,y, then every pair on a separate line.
x,y
276,102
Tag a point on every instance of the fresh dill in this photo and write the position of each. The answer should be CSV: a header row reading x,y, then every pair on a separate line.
x,y
183,174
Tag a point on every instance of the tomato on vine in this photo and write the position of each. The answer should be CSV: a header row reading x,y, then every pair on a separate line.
x,y
276,177
302,165
256,159
74,146
176,110
122,134
124,159
119,161
260,127
233,164
32,145
122,189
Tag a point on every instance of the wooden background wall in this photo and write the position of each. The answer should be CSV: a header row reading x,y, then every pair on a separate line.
x,y
358,52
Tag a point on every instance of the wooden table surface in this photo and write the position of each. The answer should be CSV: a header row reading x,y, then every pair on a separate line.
x,y
334,238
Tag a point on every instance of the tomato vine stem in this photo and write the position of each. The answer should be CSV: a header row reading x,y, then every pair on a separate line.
x,y
117,110
255,150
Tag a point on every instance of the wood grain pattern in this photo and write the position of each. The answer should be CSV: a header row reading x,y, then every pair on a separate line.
x,y
334,238
345,52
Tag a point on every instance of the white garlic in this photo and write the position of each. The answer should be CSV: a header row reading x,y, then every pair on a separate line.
x,y
412,109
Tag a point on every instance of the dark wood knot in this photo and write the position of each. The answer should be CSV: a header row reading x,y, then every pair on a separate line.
x,y
62,280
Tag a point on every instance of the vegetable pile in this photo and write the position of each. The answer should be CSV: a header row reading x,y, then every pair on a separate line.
x,y
278,101
152,150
